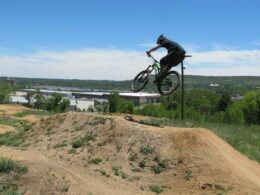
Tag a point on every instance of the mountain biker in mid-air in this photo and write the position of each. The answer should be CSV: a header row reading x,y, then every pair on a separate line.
x,y
175,55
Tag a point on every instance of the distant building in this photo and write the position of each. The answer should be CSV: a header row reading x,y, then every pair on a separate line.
x,y
237,97
12,82
214,85
137,98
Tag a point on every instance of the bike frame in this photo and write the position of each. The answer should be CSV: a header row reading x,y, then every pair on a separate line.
x,y
155,66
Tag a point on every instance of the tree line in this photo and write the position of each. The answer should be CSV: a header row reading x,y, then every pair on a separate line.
x,y
231,84
200,105
35,99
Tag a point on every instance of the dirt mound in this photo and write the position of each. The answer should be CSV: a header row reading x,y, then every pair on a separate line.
x,y
78,153
11,109
6,128
31,118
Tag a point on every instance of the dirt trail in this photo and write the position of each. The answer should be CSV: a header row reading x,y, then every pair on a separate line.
x,y
179,160
51,176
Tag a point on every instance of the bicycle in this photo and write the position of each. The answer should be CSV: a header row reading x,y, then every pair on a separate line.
x,y
166,83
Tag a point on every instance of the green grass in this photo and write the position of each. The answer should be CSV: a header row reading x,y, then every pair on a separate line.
x,y
7,165
12,122
133,156
33,112
11,192
10,173
116,170
83,141
72,151
155,188
97,121
157,169
60,145
104,173
145,150
188,175
14,138
95,161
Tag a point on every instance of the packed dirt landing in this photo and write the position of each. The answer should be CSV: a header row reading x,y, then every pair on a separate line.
x,y
79,153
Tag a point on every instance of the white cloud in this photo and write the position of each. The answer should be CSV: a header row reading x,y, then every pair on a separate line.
x,y
113,64
3,48
221,46
147,45
191,47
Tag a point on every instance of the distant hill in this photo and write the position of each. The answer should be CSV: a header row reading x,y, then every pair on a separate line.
x,y
191,81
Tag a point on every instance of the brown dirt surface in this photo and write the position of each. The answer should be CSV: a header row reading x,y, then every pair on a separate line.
x,y
32,118
6,128
11,109
79,153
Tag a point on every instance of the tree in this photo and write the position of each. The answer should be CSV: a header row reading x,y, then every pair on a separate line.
x,y
234,113
224,102
117,104
251,107
126,106
29,96
64,105
5,93
114,101
57,103
204,101
171,101
40,100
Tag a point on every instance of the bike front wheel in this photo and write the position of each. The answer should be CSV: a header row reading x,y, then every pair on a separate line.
x,y
140,81
169,83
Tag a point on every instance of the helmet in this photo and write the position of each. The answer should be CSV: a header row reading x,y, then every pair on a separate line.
x,y
160,38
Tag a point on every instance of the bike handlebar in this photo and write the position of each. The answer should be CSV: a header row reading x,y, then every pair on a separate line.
x,y
150,56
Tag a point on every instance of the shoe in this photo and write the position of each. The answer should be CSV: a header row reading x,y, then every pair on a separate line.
x,y
157,80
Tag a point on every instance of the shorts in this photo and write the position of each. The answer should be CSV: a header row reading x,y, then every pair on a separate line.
x,y
172,59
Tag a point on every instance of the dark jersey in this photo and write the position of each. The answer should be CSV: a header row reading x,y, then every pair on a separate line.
x,y
172,46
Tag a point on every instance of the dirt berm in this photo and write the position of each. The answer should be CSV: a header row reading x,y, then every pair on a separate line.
x,y
78,153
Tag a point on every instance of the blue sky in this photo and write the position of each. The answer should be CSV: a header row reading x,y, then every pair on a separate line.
x,y
52,30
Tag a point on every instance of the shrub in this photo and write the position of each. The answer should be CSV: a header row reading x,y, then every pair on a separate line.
x,y
7,165
157,169
234,114
116,170
218,117
155,188
117,104
95,161
145,150
83,141
251,107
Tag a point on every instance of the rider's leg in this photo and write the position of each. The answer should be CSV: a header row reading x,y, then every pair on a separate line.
x,y
167,62
164,64
171,60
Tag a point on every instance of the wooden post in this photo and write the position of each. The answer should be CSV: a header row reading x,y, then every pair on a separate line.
x,y
182,87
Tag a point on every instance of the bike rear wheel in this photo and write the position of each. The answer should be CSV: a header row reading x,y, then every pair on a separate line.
x,y
169,83
140,81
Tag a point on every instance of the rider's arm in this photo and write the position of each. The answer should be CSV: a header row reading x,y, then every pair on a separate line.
x,y
153,49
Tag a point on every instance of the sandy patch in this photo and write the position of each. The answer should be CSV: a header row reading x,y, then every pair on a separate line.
x,y
10,109
6,128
